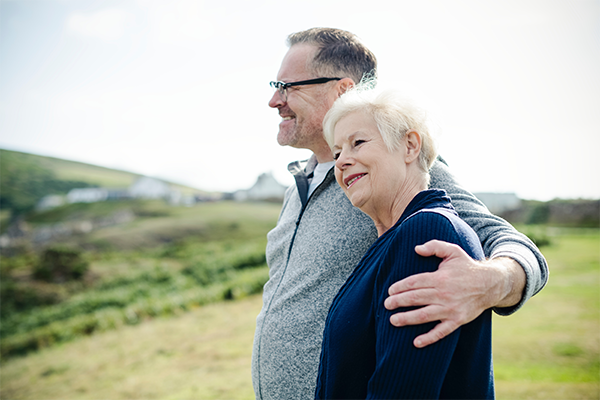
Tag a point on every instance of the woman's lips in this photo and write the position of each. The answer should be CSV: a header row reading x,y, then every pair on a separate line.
x,y
351,180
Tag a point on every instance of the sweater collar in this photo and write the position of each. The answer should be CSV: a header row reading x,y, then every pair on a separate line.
x,y
433,198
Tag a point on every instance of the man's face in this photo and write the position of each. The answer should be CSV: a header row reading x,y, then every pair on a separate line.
x,y
302,115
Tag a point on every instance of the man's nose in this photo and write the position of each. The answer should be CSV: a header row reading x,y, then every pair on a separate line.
x,y
276,100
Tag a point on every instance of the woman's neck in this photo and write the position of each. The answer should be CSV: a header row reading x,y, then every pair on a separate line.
x,y
386,215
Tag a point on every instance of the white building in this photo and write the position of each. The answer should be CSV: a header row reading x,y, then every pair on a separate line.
x,y
265,188
149,188
49,202
499,202
87,195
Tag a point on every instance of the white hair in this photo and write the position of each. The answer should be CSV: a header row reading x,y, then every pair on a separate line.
x,y
393,115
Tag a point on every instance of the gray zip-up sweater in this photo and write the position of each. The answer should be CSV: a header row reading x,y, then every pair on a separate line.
x,y
311,252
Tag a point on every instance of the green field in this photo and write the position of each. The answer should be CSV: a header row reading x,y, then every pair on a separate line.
x,y
167,312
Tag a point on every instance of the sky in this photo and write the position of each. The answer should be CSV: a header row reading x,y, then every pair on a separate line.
x,y
179,89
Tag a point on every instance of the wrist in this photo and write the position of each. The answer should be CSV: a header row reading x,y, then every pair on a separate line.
x,y
510,283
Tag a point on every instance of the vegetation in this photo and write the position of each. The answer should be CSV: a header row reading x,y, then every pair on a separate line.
x,y
550,349
162,304
60,264
166,262
547,350
26,178
24,182
557,212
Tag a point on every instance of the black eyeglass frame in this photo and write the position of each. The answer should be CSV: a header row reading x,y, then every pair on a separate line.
x,y
283,86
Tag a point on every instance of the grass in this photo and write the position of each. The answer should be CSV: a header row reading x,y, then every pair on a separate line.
x,y
202,354
547,350
171,260
551,348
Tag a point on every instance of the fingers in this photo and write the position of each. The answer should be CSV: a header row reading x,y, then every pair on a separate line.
x,y
418,281
424,315
438,248
418,316
440,331
412,298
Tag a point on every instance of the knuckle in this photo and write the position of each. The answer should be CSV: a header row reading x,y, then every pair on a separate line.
x,y
412,298
461,318
439,334
422,315
410,282
452,326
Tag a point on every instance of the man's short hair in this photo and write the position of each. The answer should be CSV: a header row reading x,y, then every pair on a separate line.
x,y
340,54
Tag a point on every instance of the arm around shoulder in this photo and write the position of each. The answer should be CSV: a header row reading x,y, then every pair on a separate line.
x,y
499,240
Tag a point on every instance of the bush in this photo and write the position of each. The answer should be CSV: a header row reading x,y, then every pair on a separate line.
x,y
538,235
60,264
16,297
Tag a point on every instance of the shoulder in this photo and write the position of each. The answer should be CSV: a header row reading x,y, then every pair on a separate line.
x,y
428,221
439,224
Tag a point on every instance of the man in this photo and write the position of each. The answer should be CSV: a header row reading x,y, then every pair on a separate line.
x,y
320,237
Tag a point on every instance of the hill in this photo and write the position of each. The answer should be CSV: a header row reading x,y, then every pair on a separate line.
x,y
67,170
26,178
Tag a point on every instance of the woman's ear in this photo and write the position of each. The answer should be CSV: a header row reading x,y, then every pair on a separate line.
x,y
413,145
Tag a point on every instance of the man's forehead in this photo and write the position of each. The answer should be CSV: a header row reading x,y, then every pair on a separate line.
x,y
294,65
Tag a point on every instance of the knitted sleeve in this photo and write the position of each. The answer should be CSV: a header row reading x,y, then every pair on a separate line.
x,y
498,237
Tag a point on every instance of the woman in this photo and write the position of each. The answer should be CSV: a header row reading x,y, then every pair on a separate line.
x,y
383,151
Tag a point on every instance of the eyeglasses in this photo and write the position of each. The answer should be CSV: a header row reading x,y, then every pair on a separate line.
x,y
282,87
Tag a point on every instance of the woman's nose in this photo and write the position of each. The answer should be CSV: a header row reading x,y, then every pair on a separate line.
x,y
343,161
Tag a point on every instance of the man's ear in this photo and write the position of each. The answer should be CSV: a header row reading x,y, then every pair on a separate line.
x,y
343,85
413,145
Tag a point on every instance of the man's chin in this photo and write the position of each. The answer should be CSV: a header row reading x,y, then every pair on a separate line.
x,y
286,139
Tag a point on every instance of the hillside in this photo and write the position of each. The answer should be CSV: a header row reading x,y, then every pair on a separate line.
x,y
75,171
93,174
26,178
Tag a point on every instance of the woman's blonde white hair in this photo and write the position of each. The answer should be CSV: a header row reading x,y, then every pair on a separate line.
x,y
393,115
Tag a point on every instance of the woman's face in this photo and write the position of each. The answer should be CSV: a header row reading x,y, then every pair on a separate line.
x,y
371,175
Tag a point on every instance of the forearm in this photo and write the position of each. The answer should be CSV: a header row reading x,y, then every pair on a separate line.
x,y
499,239
522,276
508,290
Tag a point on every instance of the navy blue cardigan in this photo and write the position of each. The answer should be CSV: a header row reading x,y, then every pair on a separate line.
x,y
364,356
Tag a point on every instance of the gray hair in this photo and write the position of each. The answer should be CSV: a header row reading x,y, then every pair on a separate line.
x,y
340,54
393,115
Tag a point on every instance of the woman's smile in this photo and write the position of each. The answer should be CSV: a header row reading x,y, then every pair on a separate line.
x,y
349,181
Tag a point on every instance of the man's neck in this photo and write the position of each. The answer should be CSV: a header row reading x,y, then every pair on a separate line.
x,y
323,154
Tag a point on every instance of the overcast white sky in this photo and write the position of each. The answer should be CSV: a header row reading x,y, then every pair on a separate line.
x,y
178,89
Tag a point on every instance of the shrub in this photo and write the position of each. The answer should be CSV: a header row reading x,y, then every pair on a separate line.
x,y
16,297
60,264
538,235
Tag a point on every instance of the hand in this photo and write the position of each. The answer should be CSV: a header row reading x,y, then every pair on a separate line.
x,y
457,293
